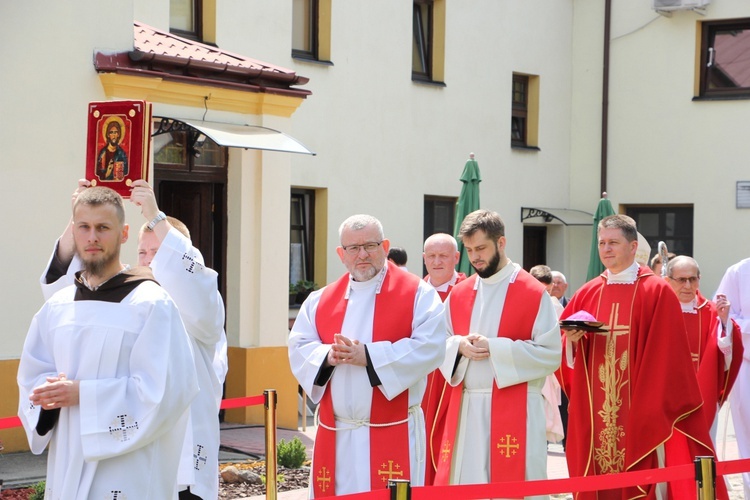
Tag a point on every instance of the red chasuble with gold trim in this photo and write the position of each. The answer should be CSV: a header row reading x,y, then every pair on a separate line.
x,y
435,407
631,384
389,445
714,381
508,420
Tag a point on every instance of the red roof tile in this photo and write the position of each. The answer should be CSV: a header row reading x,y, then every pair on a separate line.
x,y
149,39
162,54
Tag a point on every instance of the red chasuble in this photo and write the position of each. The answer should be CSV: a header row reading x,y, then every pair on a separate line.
x,y
389,445
631,384
434,406
508,419
714,381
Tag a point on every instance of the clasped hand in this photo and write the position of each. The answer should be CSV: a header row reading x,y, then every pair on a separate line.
x,y
474,347
346,351
56,392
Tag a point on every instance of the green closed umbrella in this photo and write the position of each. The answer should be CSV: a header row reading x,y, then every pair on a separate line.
x,y
604,209
468,201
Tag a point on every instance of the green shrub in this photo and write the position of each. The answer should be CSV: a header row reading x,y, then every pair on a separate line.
x,y
291,454
38,493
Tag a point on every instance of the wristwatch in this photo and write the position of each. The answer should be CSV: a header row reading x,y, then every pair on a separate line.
x,y
159,217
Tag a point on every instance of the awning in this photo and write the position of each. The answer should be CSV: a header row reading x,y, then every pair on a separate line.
x,y
556,216
234,136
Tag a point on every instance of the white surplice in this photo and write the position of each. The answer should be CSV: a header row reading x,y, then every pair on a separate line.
x,y
179,269
401,366
137,378
736,286
511,362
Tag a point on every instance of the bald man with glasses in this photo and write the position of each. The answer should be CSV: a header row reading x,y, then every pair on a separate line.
x,y
362,347
715,340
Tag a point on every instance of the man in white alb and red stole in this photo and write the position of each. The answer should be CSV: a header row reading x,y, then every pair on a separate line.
x,y
362,347
440,259
632,384
503,341
715,347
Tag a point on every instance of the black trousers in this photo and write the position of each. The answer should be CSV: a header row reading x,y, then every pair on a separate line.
x,y
186,495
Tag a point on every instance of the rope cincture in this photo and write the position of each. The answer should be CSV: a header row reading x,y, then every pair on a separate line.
x,y
357,423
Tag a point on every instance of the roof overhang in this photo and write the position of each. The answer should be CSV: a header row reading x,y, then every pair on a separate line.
x,y
235,136
556,216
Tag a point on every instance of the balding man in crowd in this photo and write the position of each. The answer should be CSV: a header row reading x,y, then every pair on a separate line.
x,y
440,258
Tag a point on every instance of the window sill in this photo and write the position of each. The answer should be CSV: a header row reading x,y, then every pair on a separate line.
x,y
524,148
311,60
428,83
743,97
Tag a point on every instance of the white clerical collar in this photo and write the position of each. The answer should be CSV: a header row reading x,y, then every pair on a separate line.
x,y
509,270
376,281
445,286
689,307
626,277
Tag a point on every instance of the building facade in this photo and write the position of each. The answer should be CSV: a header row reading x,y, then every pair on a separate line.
x,y
558,101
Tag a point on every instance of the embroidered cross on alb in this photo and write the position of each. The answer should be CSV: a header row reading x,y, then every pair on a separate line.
x,y
200,460
123,427
190,263
117,495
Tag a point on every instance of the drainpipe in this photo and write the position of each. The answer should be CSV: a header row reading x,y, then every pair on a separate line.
x,y
605,94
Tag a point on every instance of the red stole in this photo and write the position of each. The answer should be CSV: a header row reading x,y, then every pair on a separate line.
x,y
508,426
435,407
444,295
389,445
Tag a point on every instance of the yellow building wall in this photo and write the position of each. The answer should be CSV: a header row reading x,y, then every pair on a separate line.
x,y
255,369
13,439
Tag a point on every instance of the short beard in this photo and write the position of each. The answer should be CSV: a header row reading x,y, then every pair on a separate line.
x,y
94,268
367,275
492,266
97,267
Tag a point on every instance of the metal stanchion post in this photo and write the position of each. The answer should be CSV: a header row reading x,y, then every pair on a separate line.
x,y
705,476
270,410
400,489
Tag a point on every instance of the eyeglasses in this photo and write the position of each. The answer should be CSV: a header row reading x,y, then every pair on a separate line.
x,y
692,280
369,247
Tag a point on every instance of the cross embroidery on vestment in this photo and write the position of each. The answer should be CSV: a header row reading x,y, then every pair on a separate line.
x,y
200,460
123,427
446,450
613,375
191,265
506,448
389,471
324,479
